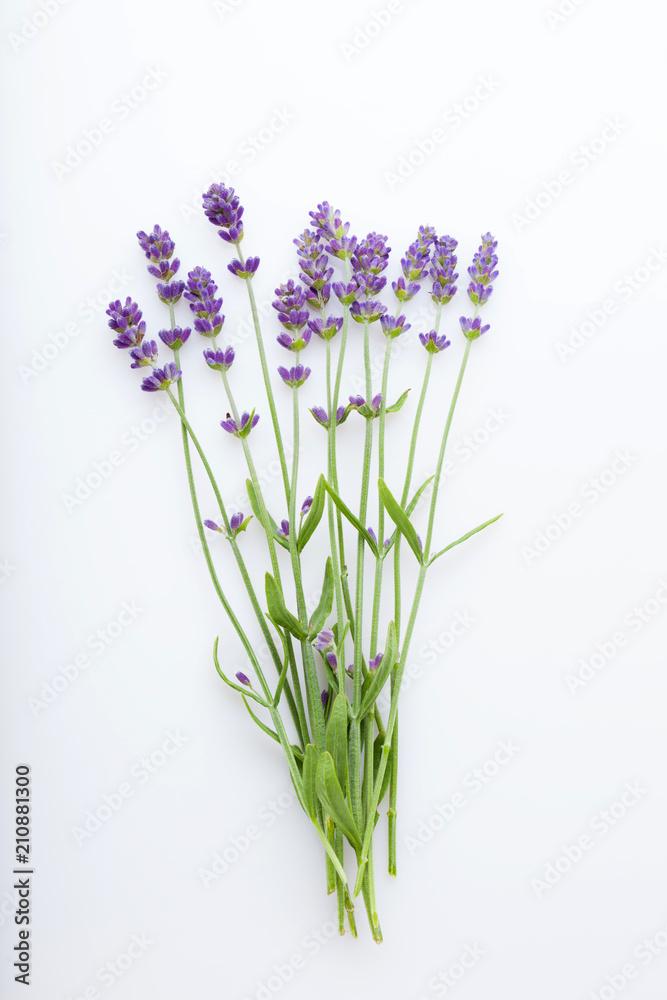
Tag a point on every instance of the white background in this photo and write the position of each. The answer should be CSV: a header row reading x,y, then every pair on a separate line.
x,y
358,99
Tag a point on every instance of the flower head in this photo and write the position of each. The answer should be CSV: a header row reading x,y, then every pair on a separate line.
x,y
472,328
322,416
242,679
306,505
483,271
248,421
442,271
327,328
405,290
246,270
159,249
203,303
291,313
223,208
328,221
434,342
393,327
346,294
170,294
127,323
283,530
324,640
371,409
219,361
175,338
161,378
375,662
367,312
294,376
145,354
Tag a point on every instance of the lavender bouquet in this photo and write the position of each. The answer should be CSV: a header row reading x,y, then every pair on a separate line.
x,y
330,666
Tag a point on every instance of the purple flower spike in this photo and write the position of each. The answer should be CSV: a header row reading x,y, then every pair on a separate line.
x,y
242,679
246,270
347,294
212,525
145,354
332,660
324,640
434,342
375,662
223,208
392,327
306,505
295,376
472,328
444,276
328,221
175,338
170,294
367,312
200,285
248,421
326,329
219,361
127,323
161,378
159,249
483,271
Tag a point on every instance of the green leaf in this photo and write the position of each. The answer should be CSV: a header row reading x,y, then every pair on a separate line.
x,y
395,407
401,520
269,732
354,521
323,609
415,500
332,798
236,687
278,613
377,757
376,679
463,538
313,516
336,739
309,783
257,511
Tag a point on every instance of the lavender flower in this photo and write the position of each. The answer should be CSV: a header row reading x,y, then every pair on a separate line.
x,y
328,221
294,343
127,323
246,270
442,271
404,291
325,699
212,525
472,328
145,354
237,523
393,327
372,534
306,505
201,296
161,378
346,294
371,409
375,662
332,660
328,328
248,421
283,530
242,679
223,208
159,249
316,273
324,640
175,338
434,342
322,416
483,272
290,302
367,312
219,361
295,376
170,294
372,255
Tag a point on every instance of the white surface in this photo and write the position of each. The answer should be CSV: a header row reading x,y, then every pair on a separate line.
x,y
354,112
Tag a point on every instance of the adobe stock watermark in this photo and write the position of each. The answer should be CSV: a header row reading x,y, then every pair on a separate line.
x,y
240,844
622,292
564,10
121,109
572,854
444,981
644,953
593,490
91,308
31,25
472,784
224,7
113,970
452,119
246,152
7,569
284,972
97,643
579,160
364,34
140,773
103,469
634,621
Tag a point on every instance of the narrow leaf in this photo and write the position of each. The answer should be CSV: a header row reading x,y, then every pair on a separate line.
x,y
463,538
354,521
376,679
313,516
395,407
331,796
309,776
269,732
236,687
278,612
401,520
323,609
377,757
336,740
